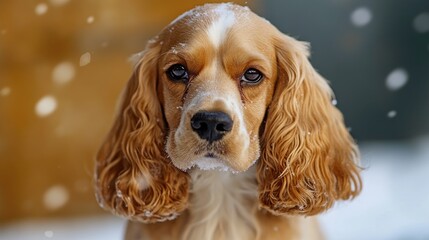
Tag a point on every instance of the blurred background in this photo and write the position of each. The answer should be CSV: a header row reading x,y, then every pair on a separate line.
x,y
63,64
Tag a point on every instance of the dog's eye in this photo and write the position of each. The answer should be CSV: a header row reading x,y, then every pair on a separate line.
x,y
178,72
251,77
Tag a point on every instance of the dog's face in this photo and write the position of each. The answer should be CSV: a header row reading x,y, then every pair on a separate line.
x,y
216,85
221,88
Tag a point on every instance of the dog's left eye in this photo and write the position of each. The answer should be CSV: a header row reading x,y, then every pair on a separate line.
x,y
178,72
251,76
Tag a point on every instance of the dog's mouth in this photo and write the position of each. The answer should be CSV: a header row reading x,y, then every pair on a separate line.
x,y
210,155
210,158
212,150
196,153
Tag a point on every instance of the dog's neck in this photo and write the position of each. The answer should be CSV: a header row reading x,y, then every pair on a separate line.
x,y
222,205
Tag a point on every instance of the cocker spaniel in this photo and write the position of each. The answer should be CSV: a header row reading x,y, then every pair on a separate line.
x,y
225,131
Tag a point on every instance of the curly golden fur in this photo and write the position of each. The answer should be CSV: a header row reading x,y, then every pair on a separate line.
x,y
308,158
134,178
153,167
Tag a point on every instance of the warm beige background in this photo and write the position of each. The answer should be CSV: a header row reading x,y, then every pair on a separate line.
x,y
46,162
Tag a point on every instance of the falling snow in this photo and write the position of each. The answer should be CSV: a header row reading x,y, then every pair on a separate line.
x,y
49,234
391,114
334,102
90,19
5,91
396,79
55,197
421,23
361,16
85,59
46,106
41,9
63,73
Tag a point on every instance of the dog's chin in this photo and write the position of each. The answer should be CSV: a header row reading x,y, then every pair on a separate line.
x,y
209,162
206,162
209,157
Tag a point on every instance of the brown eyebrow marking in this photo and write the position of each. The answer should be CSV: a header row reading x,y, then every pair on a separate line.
x,y
186,90
240,89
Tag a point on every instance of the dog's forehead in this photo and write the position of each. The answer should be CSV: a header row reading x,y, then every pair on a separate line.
x,y
209,12
211,21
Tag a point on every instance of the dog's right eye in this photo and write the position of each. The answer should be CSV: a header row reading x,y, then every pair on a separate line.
x,y
178,72
251,77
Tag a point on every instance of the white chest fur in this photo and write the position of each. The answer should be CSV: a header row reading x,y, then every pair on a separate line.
x,y
222,206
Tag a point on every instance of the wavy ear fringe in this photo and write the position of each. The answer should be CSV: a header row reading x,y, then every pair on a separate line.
x,y
134,178
308,157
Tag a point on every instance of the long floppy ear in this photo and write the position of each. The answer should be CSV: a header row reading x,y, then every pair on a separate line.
x,y
308,157
134,178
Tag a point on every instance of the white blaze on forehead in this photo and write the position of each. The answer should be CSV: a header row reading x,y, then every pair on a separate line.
x,y
224,19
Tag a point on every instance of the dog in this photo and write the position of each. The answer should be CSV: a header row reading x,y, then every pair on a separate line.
x,y
225,131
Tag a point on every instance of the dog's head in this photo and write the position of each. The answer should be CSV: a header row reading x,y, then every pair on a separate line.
x,y
221,88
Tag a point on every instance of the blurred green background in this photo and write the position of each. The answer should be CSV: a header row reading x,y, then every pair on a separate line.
x,y
357,45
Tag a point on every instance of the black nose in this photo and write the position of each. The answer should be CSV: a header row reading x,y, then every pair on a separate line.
x,y
211,126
